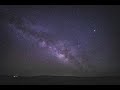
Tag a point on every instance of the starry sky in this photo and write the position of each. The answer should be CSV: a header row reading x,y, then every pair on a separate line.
x,y
61,40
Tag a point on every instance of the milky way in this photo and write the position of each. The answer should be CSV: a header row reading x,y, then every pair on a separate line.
x,y
62,49
59,40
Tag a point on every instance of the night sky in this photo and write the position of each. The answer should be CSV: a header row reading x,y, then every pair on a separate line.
x,y
77,40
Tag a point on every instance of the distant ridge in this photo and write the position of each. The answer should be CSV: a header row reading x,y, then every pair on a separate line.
x,y
58,80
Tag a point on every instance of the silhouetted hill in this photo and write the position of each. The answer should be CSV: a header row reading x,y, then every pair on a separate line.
x,y
58,80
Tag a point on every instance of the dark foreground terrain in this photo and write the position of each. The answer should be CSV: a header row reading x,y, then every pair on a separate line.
x,y
58,80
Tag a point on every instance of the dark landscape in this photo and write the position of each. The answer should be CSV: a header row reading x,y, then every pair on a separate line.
x,y
58,80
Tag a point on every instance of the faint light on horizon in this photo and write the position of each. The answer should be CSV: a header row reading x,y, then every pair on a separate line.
x,y
15,76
